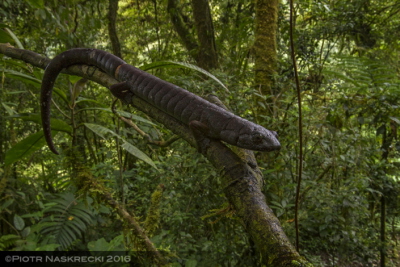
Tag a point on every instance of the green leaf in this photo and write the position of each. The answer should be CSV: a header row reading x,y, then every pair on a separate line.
x,y
100,130
9,110
191,263
137,153
36,3
66,217
68,228
83,99
73,79
6,204
25,148
8,241
103,131
396,120
173,64
5,37
34,81
26,232
19,223
48,247
124,114
15,92
56,124
22,77
64,238
117,244
98,245
15,38
79,223
134,117
61,94
82,214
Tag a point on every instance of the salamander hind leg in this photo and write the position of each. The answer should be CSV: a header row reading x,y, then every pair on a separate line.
x,y
122,91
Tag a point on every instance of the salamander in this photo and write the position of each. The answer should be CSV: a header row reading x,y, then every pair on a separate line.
x,y
212,120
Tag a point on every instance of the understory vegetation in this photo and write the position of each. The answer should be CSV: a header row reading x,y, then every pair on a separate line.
x,y
347,56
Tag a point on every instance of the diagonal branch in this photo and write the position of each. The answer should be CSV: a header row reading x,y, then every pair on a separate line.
x,y
240,179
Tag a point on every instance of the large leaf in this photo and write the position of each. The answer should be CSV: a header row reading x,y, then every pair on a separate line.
x,y
103,131
15,38
21,76
124,114
25,148
37,4
32,80
56,124
173,64
138,153
9,110
5,37
134,117
83,99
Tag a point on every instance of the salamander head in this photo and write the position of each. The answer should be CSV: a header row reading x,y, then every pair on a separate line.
x,y
259,139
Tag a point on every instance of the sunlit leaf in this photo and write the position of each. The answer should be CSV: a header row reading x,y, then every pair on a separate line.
x,y
36,3
19,223
138,153
26,147
173,64
124,114
103,131
9,110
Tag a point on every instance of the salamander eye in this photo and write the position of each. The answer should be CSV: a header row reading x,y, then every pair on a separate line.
x,y
257,138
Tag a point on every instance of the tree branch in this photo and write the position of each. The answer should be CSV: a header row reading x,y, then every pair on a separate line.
x,y
240,180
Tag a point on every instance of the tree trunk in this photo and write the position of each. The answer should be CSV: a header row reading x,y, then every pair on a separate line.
x,y
112,29
264,49
182,28
202,49
207,55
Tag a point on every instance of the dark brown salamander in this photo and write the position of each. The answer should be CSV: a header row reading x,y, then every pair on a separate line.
x,y
210,119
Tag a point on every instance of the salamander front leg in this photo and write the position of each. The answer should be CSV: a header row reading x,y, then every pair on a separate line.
x,y
122,91
200,132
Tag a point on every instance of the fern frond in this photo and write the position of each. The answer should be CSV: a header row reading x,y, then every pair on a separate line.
x,y
67,219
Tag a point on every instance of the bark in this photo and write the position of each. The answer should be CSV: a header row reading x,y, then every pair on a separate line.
x,y
3,133
387,140
207,55
182,28
112,29
240,174
265,45
202,49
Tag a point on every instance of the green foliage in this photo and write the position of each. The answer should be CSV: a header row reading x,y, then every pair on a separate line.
x,y
347,53
116,244
102,131
169,64
67,219
6,241
25,148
